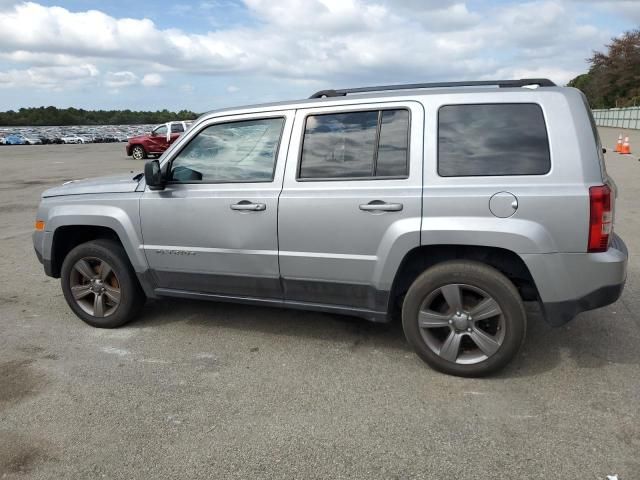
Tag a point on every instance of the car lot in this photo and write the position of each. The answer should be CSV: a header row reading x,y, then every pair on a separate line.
x,y
206,390
71,134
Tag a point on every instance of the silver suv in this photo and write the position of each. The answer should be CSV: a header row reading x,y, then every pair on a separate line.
x,y
450,204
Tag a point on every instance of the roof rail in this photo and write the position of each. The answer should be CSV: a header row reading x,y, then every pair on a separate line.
x,y
541,82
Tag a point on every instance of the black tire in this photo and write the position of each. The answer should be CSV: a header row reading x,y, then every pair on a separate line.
x,y
138,152
463,274
131,296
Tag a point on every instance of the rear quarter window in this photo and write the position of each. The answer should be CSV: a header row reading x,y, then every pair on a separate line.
x,y
492,140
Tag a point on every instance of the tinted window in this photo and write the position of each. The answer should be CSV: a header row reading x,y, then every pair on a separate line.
x,y
339,145
492,139
347,145
393,145
230,152
177,128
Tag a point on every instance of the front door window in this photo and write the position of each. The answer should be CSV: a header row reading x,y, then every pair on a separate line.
x,y
238,152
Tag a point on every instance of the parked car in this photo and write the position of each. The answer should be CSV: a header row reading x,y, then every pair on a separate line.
x,y
156,142
448,206
15,139
72,139
3,141
32,140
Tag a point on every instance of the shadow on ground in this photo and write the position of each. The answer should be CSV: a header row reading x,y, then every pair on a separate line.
x,y
588,340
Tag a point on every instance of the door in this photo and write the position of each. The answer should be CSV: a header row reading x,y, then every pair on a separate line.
x,y
352,190
214,228
158,140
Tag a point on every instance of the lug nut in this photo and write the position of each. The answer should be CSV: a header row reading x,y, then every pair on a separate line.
x,y
469,329
450,322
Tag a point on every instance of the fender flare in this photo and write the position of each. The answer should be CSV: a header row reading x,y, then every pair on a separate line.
x,y
518,236
110,217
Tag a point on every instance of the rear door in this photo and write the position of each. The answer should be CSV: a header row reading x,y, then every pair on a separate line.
x,y
352,189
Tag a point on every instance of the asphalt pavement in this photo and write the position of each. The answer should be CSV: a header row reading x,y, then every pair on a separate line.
x,y
212,390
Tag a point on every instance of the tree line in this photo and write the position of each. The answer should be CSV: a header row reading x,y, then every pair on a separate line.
x,y
613,79
50,116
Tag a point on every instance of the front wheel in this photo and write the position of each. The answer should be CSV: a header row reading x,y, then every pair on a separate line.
x,y
138,153
100,285
464,318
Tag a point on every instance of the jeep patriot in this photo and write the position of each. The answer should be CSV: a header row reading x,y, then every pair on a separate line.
x,y
447,204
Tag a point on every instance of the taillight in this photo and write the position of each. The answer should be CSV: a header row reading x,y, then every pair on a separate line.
x,y
601,218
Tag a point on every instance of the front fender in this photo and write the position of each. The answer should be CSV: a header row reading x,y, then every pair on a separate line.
x,y
115,218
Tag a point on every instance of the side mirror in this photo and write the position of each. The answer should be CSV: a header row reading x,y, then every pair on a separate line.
x,y
153,175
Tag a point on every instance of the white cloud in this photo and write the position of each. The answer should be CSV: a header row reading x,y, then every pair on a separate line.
x,y
324,41
629,9
50,78
232,89
120,79
152,80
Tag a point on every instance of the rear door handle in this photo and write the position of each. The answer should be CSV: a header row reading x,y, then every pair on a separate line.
x,y
247,206
380,206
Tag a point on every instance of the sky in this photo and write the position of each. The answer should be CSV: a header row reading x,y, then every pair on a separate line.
x,y
207,54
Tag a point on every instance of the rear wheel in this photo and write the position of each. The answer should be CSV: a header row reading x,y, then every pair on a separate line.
x,y
100,285
464,318
138,152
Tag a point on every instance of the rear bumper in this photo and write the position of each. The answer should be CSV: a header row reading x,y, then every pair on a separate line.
x,y
559,313
570,283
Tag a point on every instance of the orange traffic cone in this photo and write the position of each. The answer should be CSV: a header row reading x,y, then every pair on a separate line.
x,y
626,148
619,144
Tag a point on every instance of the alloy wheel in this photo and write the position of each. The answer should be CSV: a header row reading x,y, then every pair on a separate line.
x,y
138,153
95,287
461,323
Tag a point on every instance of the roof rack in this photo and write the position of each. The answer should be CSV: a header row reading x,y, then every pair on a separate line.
x,y
541,82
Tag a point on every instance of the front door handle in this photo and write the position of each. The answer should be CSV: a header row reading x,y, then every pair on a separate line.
x,y
380,206
247,206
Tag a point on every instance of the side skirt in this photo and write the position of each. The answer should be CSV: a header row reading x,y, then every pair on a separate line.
x,y
371,315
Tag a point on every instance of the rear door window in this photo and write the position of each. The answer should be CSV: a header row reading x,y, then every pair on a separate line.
x,y
492,139
356,145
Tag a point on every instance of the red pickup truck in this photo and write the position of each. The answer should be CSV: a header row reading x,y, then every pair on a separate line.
x,y
156,142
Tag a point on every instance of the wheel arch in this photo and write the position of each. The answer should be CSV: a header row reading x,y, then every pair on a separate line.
x,y
67,237
72,225
423,257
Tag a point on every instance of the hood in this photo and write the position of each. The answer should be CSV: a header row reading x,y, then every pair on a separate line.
x,y
111,184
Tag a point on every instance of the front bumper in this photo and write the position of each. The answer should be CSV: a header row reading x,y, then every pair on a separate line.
x,y
570,283
40,245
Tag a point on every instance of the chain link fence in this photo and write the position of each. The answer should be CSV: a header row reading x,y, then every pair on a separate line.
x,y
618,117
